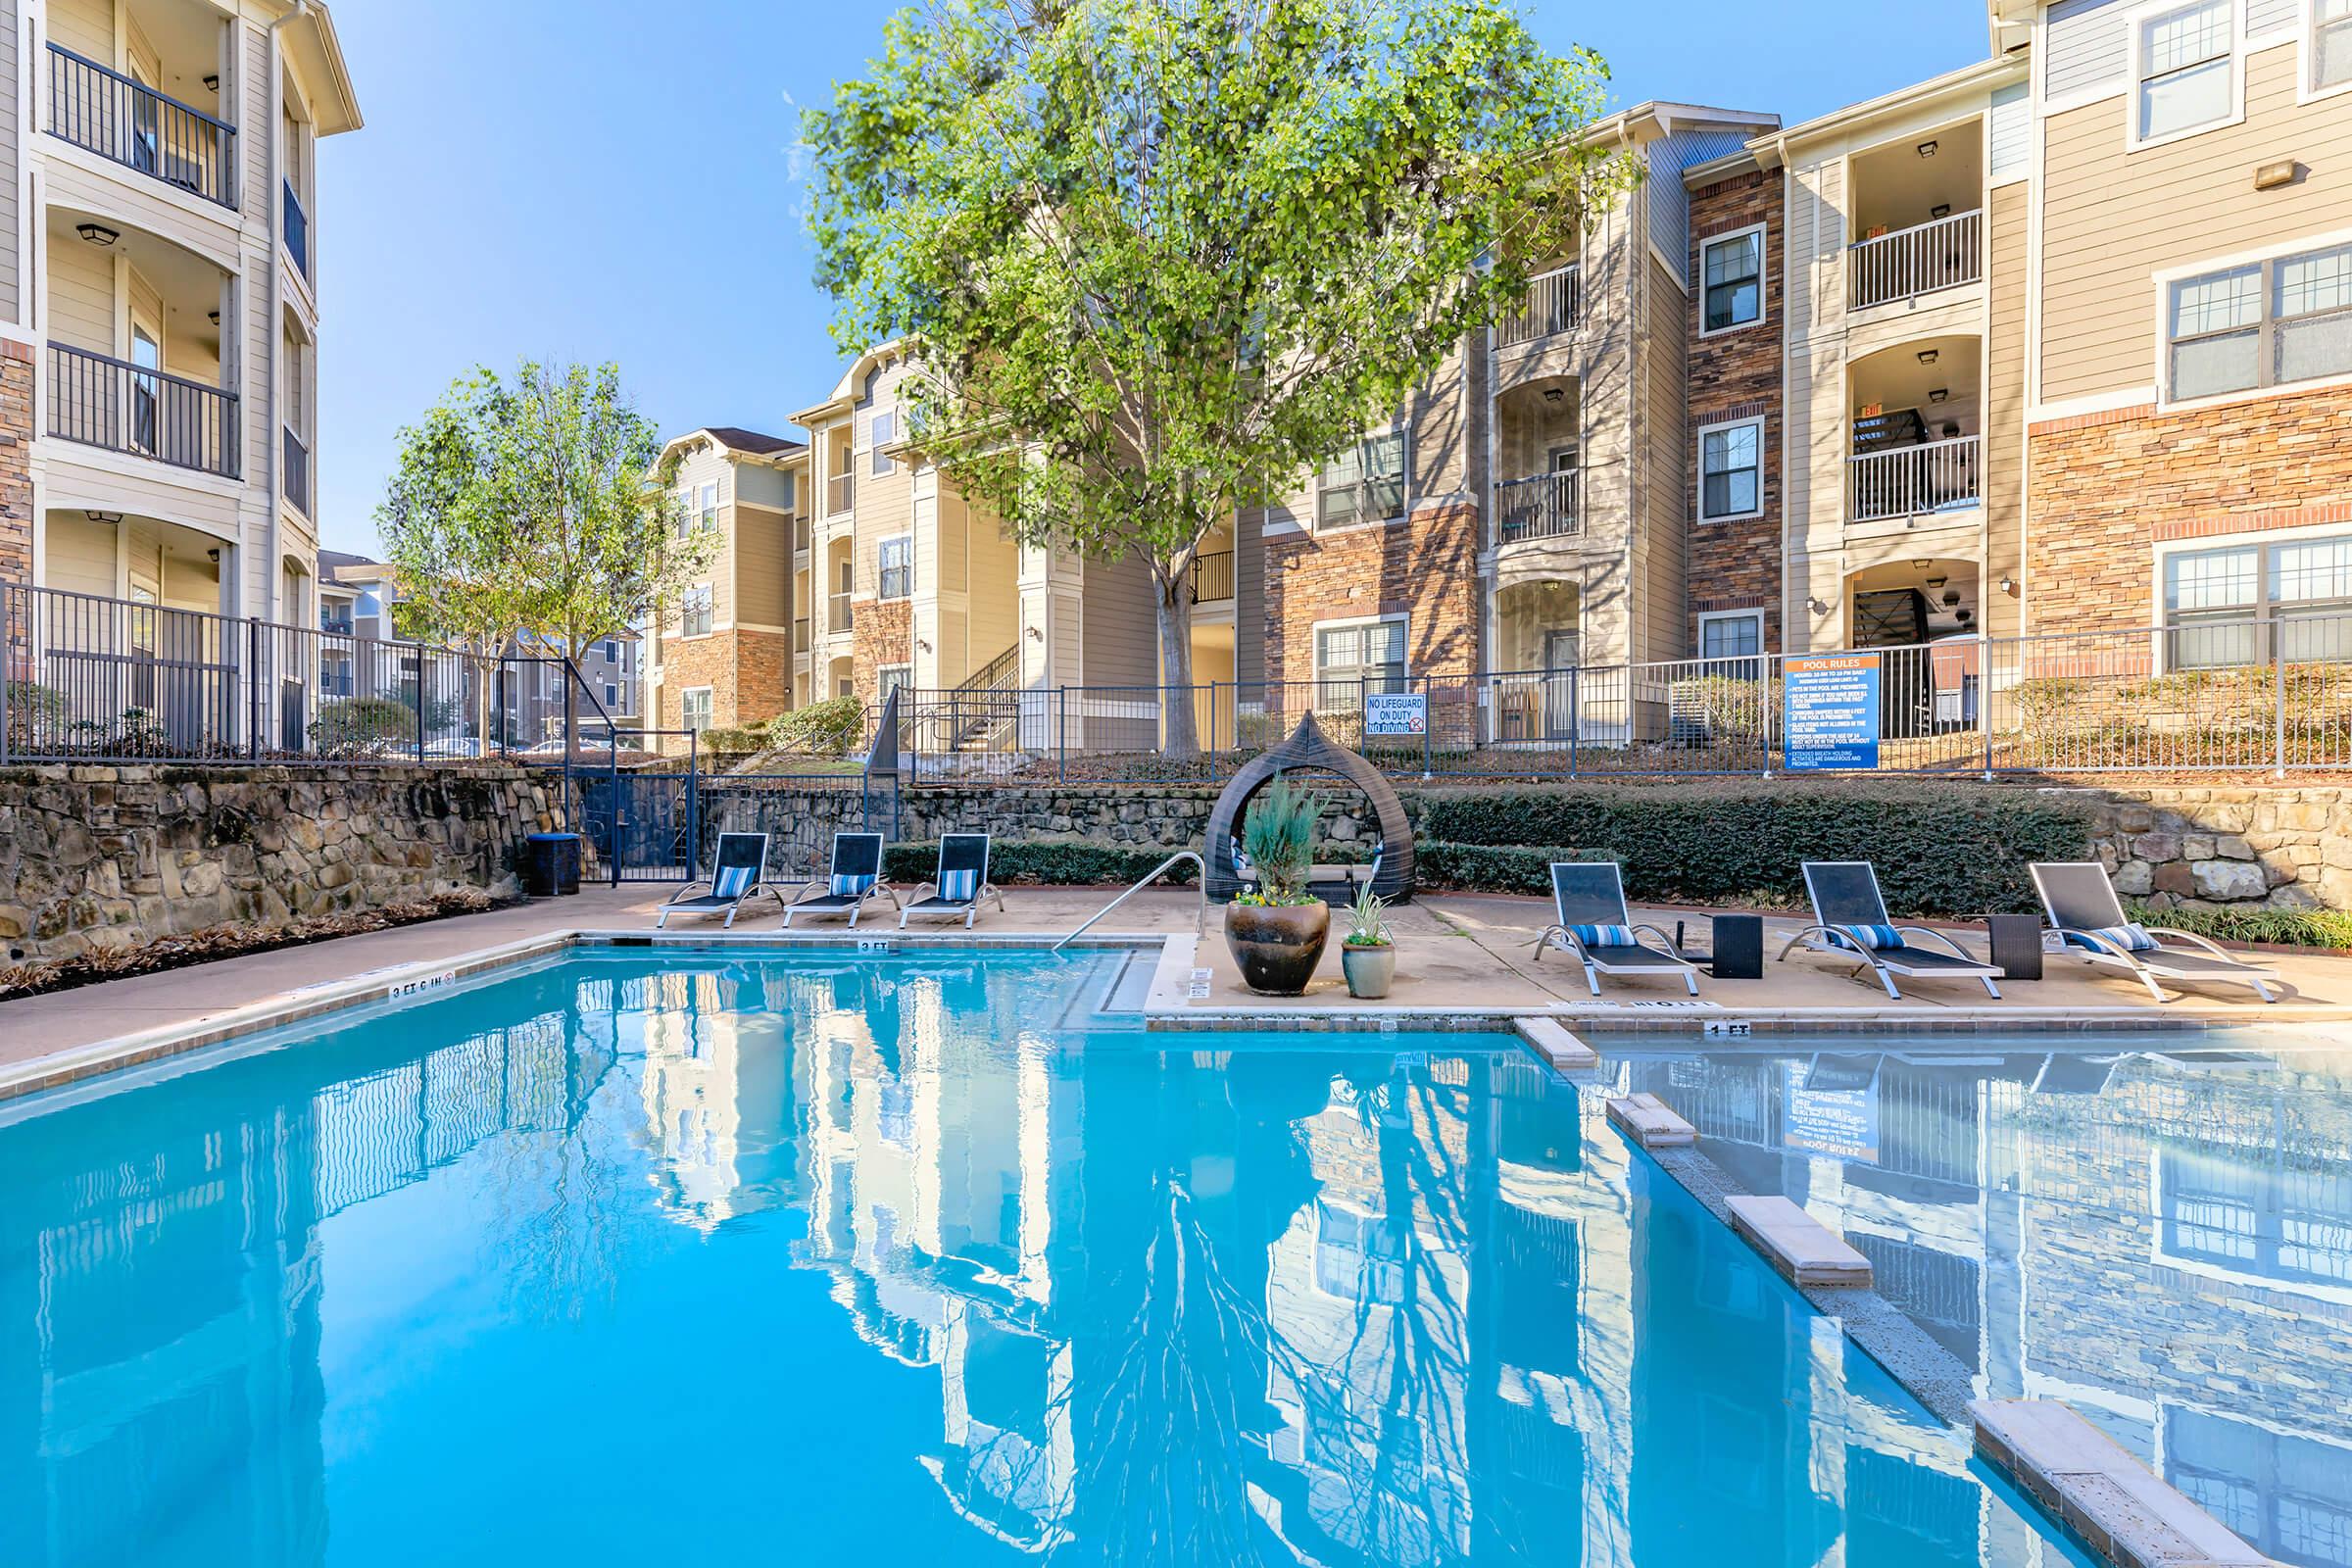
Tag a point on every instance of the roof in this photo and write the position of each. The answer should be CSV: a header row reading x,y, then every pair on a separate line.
x,y
1951,89
735,438
336,559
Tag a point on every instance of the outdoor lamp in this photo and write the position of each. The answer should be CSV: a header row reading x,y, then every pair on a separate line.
x,y
97,233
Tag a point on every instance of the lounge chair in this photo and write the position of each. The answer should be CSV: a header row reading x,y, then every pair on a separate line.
x,y
2088,916
962,884
736,874
1851,922
1588,898
855,881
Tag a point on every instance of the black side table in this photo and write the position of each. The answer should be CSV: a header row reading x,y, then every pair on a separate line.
x,y
2016,945
1739,941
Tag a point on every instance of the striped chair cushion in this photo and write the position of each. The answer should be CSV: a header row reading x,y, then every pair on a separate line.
x,y
732,882
845,886
1604,936
958,886
1866,938
2130,935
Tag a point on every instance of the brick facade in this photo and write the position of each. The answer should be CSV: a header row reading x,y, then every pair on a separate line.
x,y
881,632
16,457
1736,375
1425,568
749,673
2103,489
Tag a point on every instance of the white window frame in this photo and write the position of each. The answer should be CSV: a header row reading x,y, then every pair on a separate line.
x,y
2265,608
2307,36
2170,276
878,440
2135,30
881,570
700,597
1699,494
1402,434
882,675
1707,617
707,506
686,699
1399,617
1698,281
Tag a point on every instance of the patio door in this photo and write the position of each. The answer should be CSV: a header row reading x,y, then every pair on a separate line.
x,y
1562,651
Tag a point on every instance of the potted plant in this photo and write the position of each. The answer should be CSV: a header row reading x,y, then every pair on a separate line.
x,y
1368,955
1276,933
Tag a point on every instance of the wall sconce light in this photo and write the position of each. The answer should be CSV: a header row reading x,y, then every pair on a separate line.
x,y
1921,564
1938,581
97,233
1552,394
212,81
1941,209
1927,149
1816,605
110,518
1930,356
1037,634
213,316
922,645
1940,394
2272,177
2009,586
1951,598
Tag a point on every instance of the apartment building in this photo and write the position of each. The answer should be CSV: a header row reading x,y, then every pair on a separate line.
x,y
732,649
159,307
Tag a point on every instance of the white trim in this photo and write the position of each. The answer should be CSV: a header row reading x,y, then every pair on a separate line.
x,y
1316,629
1698,278
1699,641
880,597
2306,29
710,721
2130,397
1672,269
2137,19
2164,278
1698,492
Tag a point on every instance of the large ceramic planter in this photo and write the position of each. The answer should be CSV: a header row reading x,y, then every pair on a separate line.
x,y
1277,947
1370,971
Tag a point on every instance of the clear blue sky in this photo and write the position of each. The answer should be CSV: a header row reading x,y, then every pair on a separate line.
x,y
597,179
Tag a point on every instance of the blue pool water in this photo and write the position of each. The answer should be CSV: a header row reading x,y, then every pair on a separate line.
x,y
719,1259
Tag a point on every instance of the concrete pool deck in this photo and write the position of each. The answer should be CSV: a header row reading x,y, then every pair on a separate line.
x,y
1459,956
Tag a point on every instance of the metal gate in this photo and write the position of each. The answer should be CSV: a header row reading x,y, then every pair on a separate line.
x,y
642,826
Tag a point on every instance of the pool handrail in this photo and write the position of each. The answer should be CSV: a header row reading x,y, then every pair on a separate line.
x,y
1199,917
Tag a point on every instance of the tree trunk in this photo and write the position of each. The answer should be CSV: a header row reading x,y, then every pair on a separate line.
x,y
1180,728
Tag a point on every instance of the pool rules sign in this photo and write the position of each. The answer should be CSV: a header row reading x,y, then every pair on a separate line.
x,y
1829,711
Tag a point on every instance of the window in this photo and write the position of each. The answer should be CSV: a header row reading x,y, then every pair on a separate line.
x,y
1365,655
2187,70
694,613
1735,635
2213,598
2265,324
1731,467
888,679
2327,47
791,490
897,568
696,706
885,431
709,510
1732,280
611,697
610,649
1365,484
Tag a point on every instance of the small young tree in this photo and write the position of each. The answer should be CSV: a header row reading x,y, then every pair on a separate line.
x,y
1148,256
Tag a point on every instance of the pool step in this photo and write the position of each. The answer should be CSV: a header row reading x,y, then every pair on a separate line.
x,y
1554,1043
1801,1247
1650,1122
2094,1486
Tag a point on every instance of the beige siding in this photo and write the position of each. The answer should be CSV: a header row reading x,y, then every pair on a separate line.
x,y
2113,220
1658,547
85,27
995,592
1123,625
2005,401
11,303
79,555
82,296
762,548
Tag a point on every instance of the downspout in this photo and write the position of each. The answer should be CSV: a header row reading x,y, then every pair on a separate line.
x,y
274,205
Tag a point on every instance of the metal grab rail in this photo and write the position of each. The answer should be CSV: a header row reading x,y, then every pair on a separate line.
x,y
1199,917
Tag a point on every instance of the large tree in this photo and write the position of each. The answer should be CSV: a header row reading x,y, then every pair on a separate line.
x,y
1153,257
538,505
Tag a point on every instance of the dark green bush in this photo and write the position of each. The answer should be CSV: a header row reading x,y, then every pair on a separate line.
x,y
2292,928
1046,861
730,740
1941,850
1491,867
834,727
363,726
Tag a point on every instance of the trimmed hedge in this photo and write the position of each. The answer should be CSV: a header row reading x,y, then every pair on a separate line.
x,y
2291,928
1046,861
1946,848
1491,868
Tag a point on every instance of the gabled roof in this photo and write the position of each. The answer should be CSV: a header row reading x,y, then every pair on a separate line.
x,y
330,560
736,439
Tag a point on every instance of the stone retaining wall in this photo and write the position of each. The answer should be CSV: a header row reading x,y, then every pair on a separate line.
x,y
113,856
2286,847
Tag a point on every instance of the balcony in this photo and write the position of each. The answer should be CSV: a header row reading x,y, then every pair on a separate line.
x,y
1212,578
297,232
105,402
1550,308
125,123
1539,508
298,473
840,492
1946,253
336,625
1906,482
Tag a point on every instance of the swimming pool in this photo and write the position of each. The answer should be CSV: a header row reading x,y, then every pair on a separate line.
x,y
631,1256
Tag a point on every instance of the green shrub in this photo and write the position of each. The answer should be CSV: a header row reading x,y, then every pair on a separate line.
x,y
1042,862
1941,850
1491,868
35,712
360,727
733,739
2292,928
834,727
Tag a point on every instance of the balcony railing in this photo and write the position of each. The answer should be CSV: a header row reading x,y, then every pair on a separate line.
x,y
837,613
1551,306
106,113
335,627
297,231
298,473
1212,578
1541,508
1905,481
840,492
1911,262
104,402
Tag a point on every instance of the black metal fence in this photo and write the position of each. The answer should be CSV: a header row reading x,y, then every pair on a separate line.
x,y
127,123
100,401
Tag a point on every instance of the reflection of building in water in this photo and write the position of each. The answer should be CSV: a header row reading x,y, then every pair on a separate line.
x,y
2163,1239
718,1090
168,1256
